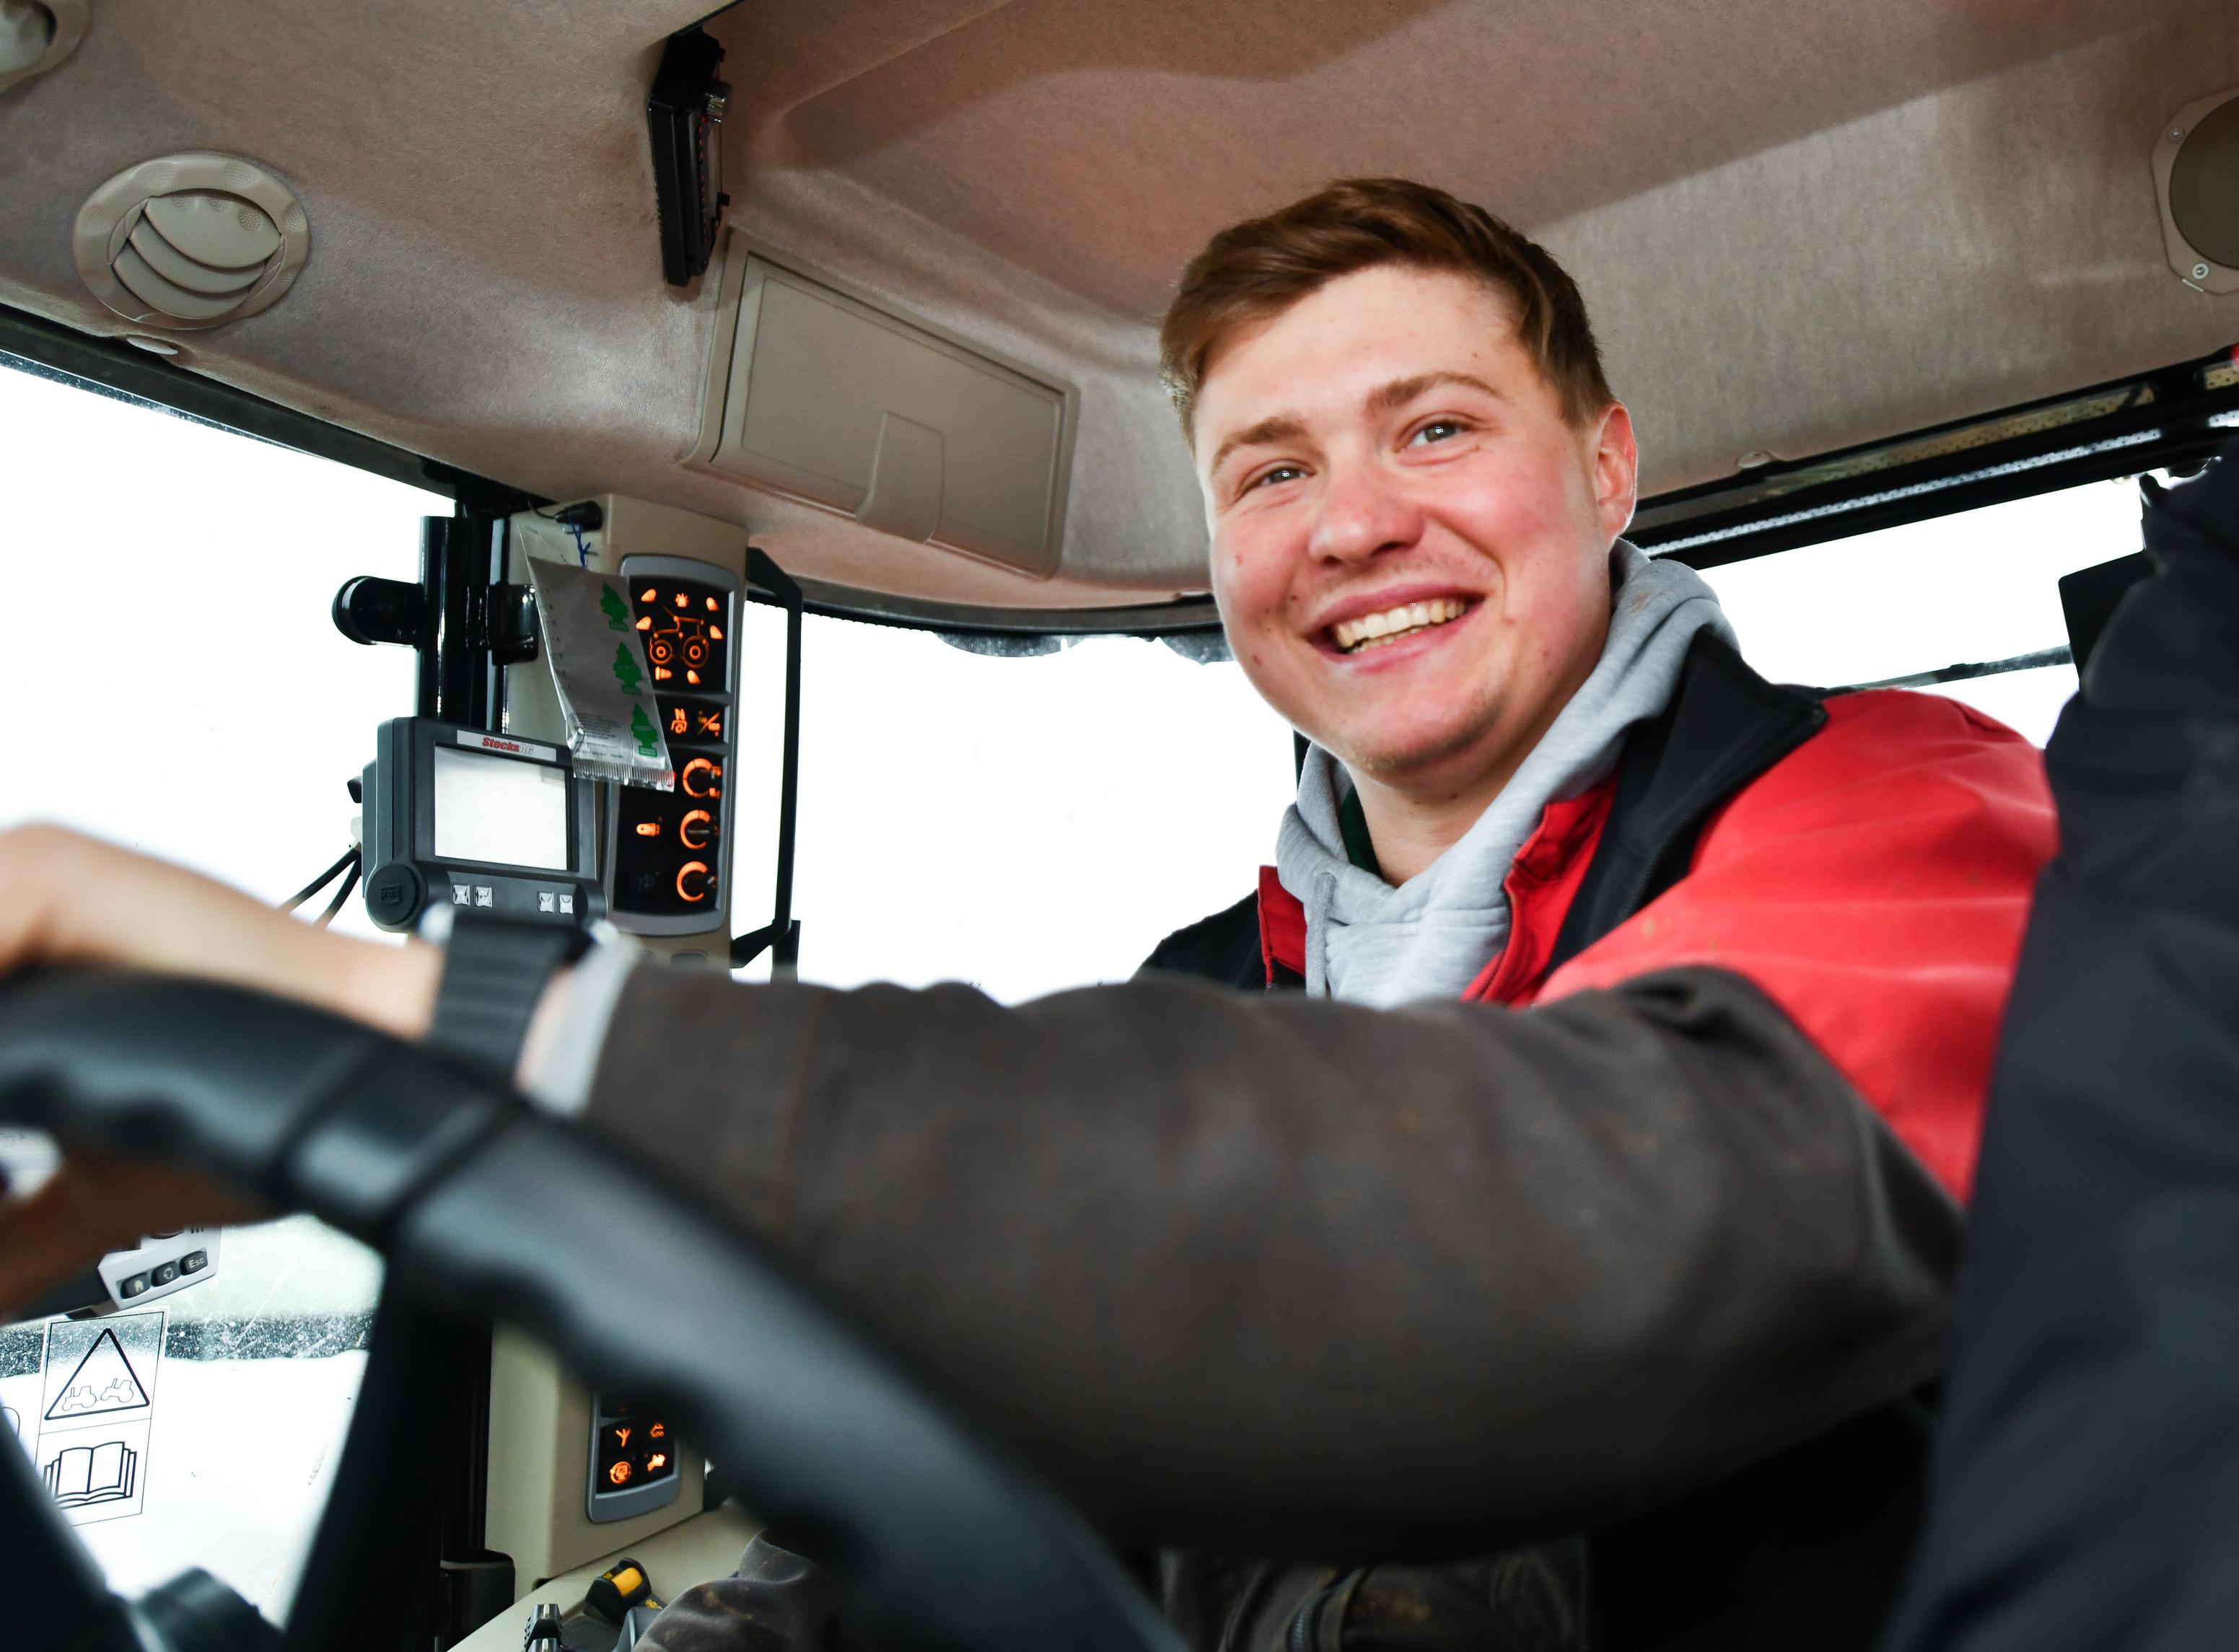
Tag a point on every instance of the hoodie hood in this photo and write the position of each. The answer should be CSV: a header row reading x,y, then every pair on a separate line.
x,y
1430,937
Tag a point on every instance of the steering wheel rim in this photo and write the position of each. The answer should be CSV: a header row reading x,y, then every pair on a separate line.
x,y
943,1539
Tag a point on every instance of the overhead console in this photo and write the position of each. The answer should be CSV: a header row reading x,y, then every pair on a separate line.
x,y
822,393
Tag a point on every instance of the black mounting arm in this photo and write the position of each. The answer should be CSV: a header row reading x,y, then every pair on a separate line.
x,y
767,582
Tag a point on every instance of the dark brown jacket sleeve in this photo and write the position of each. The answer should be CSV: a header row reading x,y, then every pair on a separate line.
x,y
1290,1275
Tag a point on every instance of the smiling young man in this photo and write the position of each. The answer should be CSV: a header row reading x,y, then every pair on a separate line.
x,y
1591,1210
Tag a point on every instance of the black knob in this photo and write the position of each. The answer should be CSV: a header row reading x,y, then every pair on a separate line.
x,y
370,610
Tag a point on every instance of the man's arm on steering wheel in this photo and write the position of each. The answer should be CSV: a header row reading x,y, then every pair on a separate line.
x,y
1236,1268
68,899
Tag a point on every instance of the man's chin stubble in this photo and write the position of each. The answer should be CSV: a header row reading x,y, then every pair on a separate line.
x,y
1414,766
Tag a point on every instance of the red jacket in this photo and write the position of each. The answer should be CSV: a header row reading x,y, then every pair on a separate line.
x,y
1874,883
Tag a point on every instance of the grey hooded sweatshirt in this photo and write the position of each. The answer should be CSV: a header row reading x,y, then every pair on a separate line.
x,y
1369,943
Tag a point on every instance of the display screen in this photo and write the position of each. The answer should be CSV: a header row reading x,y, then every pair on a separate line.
x,y
499,811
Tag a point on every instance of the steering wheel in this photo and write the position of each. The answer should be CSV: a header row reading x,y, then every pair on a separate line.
x,y
483,1207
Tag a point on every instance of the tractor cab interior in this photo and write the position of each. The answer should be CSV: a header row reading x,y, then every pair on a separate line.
x,y
367,367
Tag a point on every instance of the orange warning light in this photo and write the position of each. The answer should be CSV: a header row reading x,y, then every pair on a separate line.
x,y
694,869
648,595
648,828
682,600
620,1474
656,1463
679,722
621,1439
692,677
714,607
656,1430
645,624
663,674
716,632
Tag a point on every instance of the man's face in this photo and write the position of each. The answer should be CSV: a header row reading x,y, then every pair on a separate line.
x,y
1410,543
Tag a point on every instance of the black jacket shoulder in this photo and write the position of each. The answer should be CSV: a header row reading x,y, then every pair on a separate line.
x,y
1224,948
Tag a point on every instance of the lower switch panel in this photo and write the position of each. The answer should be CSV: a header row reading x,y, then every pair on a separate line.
x,y
161,1264
632,1461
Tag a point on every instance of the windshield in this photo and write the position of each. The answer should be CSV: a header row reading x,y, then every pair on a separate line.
x,y
1024,824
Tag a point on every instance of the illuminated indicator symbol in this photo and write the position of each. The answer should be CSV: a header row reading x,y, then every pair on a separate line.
x,y
645,624
663,674
692,677
716,632
714,607
711,722
648,828
677,722
622,1439
695,828
656,1430
697,871
702,779
682,600
648,595
620,1474
656,1463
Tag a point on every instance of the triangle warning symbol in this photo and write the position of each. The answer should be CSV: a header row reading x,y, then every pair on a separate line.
x,y
104,1381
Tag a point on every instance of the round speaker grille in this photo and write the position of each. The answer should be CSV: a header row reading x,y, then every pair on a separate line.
x,y
2203,186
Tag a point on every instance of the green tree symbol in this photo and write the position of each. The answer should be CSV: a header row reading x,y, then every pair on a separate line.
x,y
611,605
626,671
647,736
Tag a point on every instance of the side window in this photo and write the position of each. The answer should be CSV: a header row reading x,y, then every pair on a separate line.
x,y
173,684
1972,589
1023,824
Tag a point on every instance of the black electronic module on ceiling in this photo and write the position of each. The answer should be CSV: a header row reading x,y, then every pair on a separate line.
x,y
684,117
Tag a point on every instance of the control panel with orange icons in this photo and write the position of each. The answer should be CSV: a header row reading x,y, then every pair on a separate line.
x,y
633,1457
670,856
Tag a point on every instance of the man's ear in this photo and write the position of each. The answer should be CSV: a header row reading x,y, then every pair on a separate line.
x,y
1617,469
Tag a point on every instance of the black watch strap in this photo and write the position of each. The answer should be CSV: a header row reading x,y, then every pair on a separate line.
x,y
494,972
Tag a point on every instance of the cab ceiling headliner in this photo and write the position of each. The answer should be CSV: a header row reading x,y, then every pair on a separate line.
x,y
1799,225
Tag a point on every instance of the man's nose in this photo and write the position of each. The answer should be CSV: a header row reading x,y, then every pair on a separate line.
x,y
1361,512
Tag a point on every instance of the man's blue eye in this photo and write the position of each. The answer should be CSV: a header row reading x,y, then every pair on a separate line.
x,y
1439,430
1281,472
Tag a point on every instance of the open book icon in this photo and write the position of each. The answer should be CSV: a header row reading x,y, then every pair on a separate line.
x,y
90,1474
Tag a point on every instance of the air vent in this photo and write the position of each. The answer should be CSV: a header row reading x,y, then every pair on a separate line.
x,y
2196,172
191,241
37,34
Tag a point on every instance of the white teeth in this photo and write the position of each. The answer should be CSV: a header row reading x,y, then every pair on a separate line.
x,y
1371,629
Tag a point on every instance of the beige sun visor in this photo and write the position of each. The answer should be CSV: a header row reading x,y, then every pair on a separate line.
x,y
1799,226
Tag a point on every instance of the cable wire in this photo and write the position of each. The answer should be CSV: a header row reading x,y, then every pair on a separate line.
x,y
320,882
340,894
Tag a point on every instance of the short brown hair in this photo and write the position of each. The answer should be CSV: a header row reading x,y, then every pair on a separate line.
x,y
1257,269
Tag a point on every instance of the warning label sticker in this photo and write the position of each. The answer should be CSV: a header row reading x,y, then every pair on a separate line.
x,y
97,1403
